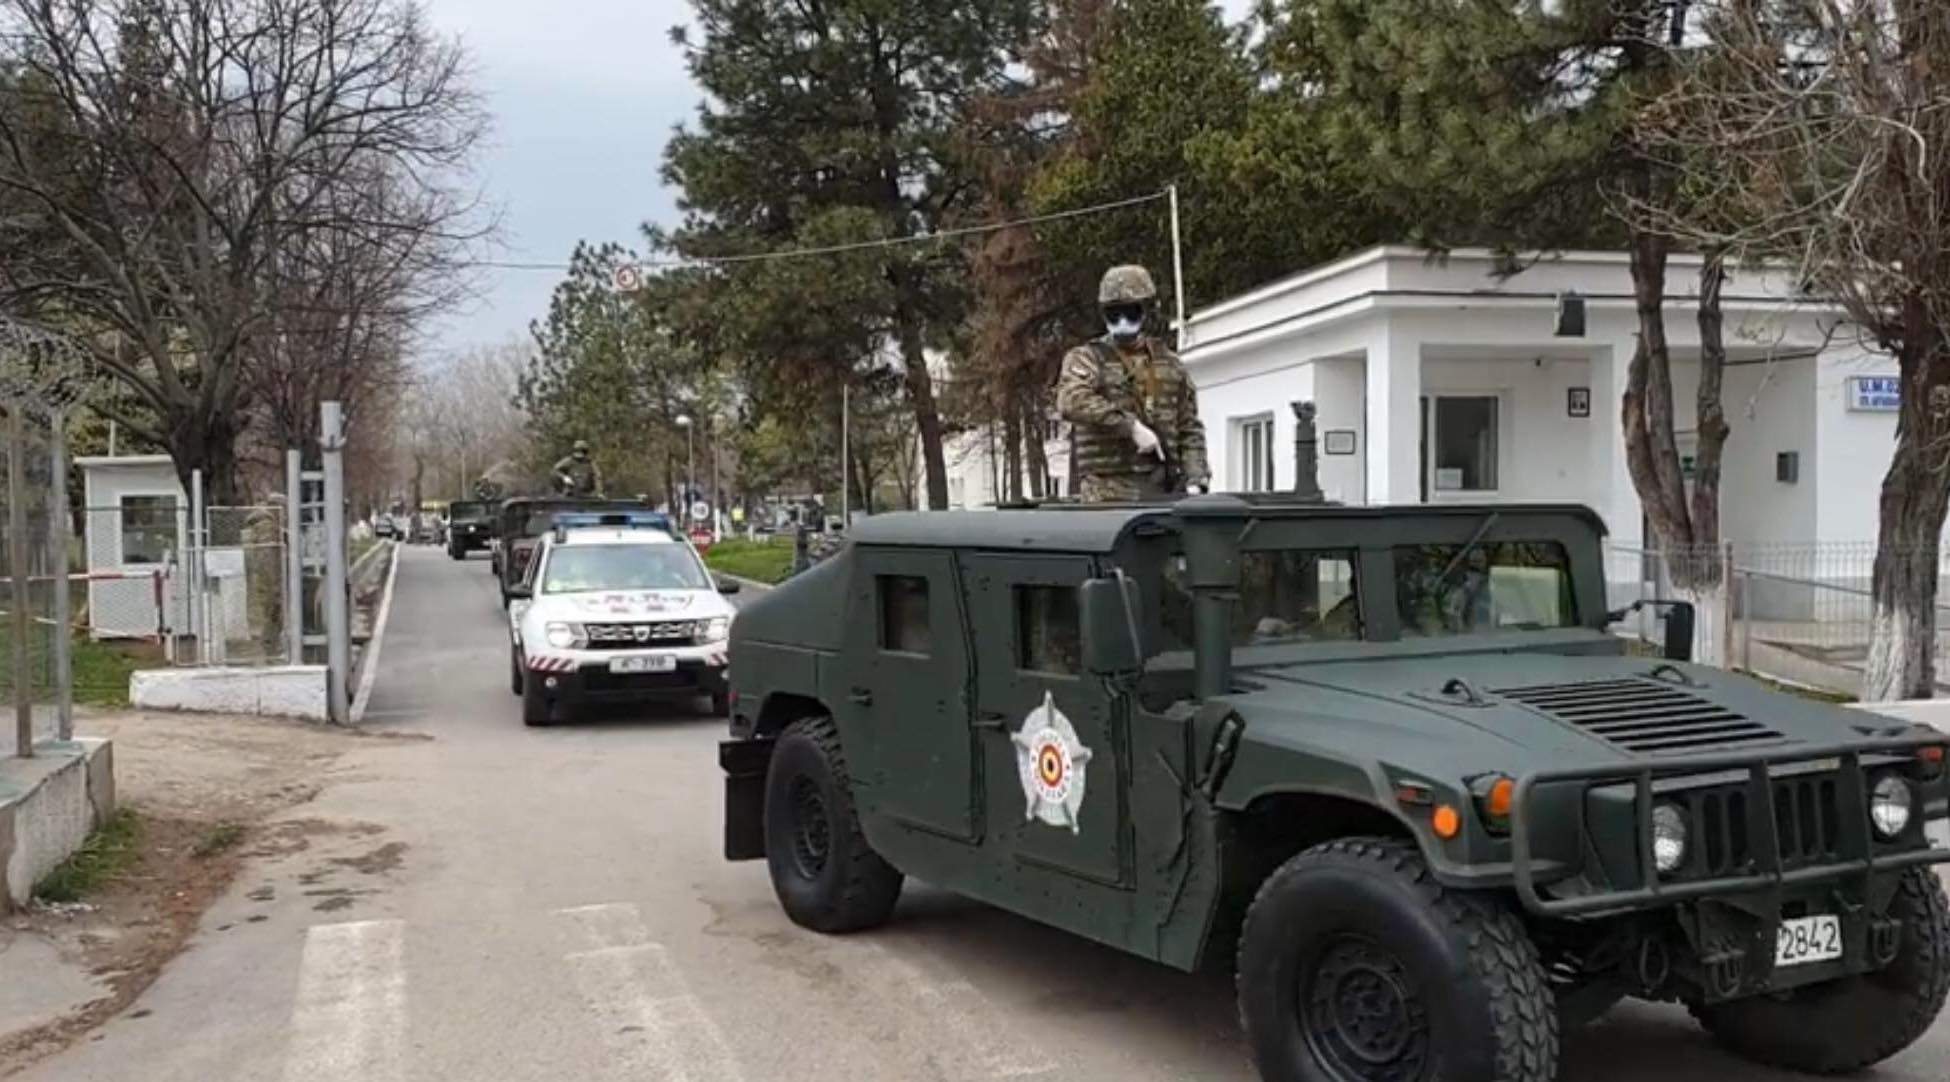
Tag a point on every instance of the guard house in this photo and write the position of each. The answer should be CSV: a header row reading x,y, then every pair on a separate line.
x,y
137,524
1438,381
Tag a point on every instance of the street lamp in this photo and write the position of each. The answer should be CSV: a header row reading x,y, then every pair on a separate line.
x,y
690,468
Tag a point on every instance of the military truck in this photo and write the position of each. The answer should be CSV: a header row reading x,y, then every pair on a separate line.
x,y
522,522
1396,767
470,526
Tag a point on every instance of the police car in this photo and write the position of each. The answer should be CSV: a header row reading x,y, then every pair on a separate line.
x,y
617,607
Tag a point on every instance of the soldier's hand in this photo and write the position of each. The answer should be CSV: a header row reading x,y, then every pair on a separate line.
x,y
1146,440
1195,489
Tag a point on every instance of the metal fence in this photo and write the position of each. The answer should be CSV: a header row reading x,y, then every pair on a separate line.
x,y
1795,612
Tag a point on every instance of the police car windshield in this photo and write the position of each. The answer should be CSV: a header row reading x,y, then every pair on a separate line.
x,y
583,568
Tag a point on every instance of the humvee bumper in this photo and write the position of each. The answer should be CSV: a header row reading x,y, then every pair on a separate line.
x,y
1762,827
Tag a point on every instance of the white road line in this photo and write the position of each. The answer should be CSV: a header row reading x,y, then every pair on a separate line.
x,y
650,1019
349,1021
970,1035
371,660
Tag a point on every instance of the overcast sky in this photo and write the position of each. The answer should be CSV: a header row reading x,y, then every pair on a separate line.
x,y
584,96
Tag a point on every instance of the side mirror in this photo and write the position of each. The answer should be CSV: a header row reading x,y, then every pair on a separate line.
x,y
1108,612
729,586
1679,625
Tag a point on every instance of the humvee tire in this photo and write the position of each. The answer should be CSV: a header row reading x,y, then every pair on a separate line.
x,y
534,706
1849,1023
1348,964
826,875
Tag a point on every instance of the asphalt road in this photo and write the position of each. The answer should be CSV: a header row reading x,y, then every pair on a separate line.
x,y
503,903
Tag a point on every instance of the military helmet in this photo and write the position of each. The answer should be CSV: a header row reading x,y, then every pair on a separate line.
x,y
582,447
1128,284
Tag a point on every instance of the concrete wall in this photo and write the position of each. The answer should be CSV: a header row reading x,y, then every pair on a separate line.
x,y
297,691
48,806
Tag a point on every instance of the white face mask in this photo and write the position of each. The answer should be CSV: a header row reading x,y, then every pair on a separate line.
x,y
1124,329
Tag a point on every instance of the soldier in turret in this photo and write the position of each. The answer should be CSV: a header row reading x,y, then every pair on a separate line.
x,y
576,473
1136,433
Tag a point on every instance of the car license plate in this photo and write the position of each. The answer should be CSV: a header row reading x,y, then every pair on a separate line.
x,y
645,663
1801,940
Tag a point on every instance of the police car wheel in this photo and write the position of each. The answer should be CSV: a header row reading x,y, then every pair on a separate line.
x,y
536,710
514,671
720,704
826,875
1847,1024
1354,964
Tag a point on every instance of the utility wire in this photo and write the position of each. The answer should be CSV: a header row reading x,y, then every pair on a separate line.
x,y
854,246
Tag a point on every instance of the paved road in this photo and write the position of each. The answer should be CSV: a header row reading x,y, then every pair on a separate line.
x,y
500,903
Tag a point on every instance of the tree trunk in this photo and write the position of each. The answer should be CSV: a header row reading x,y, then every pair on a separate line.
x,y
927,415
1915,495
1012,454
1651,449
212,448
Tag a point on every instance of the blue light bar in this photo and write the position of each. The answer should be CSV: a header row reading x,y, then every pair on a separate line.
x,y
626,520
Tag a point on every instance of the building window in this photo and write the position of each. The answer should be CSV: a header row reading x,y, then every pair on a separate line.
x,y
1049,638
1253,436
148,528
957,492
904,613
1463,443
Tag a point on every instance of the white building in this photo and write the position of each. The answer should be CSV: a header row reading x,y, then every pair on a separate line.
x,y
137,526
1437,381
977,465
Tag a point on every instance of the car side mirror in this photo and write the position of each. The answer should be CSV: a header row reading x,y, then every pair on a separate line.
x,y
1107,611
1680,619
729,586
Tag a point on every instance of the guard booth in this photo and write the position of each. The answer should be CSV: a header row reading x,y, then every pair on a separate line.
x,y
137,525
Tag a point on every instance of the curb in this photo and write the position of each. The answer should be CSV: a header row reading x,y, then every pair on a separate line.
x,y
749,584
369,662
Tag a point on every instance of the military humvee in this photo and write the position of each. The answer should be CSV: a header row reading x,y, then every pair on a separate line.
x,y
1393,764
523,520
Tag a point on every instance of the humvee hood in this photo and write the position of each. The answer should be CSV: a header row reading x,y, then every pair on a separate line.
x,y
1538,710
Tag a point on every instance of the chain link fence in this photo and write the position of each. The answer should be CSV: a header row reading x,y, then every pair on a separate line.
x,y
1794,612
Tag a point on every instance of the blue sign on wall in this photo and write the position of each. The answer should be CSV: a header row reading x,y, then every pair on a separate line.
x,y
1875,394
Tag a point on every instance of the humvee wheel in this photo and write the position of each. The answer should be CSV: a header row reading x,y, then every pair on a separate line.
x,y
1355,965
1849,1023
826,875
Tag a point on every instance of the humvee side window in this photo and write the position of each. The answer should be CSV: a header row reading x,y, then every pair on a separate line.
x,y
1504,585
1049,635
1285,595
904,613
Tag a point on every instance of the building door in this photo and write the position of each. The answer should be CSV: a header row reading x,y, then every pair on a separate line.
x,y
906,723
1054,743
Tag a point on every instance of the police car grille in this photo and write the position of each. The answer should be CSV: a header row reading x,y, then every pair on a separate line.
x,y
1644,715
636,636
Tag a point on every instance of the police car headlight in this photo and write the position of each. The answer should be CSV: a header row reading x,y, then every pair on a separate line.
x,y
715,630
1890,804
563,636
1668,838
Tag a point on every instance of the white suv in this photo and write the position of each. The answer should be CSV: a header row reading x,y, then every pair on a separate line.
x,y
617,608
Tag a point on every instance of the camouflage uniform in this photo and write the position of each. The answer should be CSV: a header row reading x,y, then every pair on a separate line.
x,y
584,479
1103,389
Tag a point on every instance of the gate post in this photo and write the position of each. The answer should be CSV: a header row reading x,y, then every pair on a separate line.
x,y
17,549
57,544
338,627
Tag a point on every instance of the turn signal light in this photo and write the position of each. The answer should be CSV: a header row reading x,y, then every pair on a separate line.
x,y
1446,822
1495,795
1501,795
1931,759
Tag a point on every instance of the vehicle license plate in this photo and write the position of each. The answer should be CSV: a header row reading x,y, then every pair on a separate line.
x,y
645,663
1801,940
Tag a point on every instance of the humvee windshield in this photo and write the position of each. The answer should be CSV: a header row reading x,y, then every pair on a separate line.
x,y
468,511
1313,595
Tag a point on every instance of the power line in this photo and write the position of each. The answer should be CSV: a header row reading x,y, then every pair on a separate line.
x,y
835,249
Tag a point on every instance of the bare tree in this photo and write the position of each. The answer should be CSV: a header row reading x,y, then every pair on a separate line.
x,y
206,161
1816,133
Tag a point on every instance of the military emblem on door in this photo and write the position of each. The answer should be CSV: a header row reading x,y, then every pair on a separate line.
x,y
1051,761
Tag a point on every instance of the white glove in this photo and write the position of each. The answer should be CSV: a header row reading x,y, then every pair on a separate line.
x,y
1195,490
1146,440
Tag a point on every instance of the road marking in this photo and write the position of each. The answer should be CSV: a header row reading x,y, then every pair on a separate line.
x,y
349,1021
650,1019
970,1038
371,660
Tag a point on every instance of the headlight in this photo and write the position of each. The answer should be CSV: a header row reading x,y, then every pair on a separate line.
x,y
563,636
715,630
1889,806
1668,838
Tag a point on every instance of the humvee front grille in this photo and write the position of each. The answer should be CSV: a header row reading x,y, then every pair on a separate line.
x,y
1644,715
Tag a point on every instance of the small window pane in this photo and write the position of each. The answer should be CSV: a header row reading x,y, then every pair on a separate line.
x,y
1048,638
1255,455
1285,596
1506,585
904,613
1465,444
148,528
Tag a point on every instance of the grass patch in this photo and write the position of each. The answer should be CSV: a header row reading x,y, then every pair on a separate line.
x,y
109,850
101,668
217,839
761,561
1800,691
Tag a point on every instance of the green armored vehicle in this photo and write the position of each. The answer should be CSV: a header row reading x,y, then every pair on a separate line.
x,y
1391,764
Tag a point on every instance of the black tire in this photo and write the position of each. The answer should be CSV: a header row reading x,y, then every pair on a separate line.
x,y
1355,964
1847,1024
721,704
514,671
826,875
535,707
